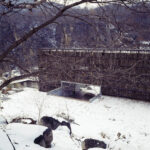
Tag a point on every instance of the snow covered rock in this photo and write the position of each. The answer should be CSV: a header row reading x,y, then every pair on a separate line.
x,y
53,123
46,139
92,143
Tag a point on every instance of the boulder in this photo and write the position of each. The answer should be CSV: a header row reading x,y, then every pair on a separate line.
x,y
53,123
92,143
46,139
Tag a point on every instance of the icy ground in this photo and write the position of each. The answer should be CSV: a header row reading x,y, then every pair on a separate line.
x,y
121,123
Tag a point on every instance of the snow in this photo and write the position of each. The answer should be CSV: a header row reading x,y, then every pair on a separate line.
x,y
4,142
2,121
145,42
23,135
25,79
122,124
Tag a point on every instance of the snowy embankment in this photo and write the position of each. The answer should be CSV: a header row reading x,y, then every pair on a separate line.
x,y
121,123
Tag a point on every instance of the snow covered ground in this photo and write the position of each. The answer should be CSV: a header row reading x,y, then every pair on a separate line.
x,y
122,124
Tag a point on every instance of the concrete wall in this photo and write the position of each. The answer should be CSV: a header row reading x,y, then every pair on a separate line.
x,y
120,73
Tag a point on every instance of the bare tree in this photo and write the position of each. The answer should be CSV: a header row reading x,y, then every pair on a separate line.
x,y
52,12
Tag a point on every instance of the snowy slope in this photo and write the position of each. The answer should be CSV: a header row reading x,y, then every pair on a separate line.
x,y
121,123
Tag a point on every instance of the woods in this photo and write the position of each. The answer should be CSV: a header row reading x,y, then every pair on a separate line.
x,y
64,25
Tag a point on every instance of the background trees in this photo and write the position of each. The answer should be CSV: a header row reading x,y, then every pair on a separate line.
x,y
26,26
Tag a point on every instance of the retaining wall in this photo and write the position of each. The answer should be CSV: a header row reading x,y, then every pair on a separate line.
x,y
120,73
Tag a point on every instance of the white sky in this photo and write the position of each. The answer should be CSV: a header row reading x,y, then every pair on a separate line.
x,y
89,5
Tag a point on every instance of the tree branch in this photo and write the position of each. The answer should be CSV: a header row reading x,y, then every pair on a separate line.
x,y
16,64
7,82
36,29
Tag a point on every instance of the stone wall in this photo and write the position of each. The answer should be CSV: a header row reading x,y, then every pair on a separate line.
x,y
120,73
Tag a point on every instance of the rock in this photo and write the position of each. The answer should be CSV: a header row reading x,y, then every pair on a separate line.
x,y
46,139
67,124
23,120
92,143
89,96
53,123
49,122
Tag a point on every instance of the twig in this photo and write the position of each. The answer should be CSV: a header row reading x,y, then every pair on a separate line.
x,y
10,141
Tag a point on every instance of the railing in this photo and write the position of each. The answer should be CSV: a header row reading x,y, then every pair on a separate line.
x,y
101,50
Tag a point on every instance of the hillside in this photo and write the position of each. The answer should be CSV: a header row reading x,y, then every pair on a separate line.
x,y
123,124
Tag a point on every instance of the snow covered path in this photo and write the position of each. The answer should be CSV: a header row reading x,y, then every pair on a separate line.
x,y
121,123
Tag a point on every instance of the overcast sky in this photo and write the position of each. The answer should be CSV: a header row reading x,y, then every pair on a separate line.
x,y
89,5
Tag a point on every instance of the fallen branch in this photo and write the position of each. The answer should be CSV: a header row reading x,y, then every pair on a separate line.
x,y
10,141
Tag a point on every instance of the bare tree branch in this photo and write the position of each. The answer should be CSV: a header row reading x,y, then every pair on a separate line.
x,y
36,29
16,64
7,82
